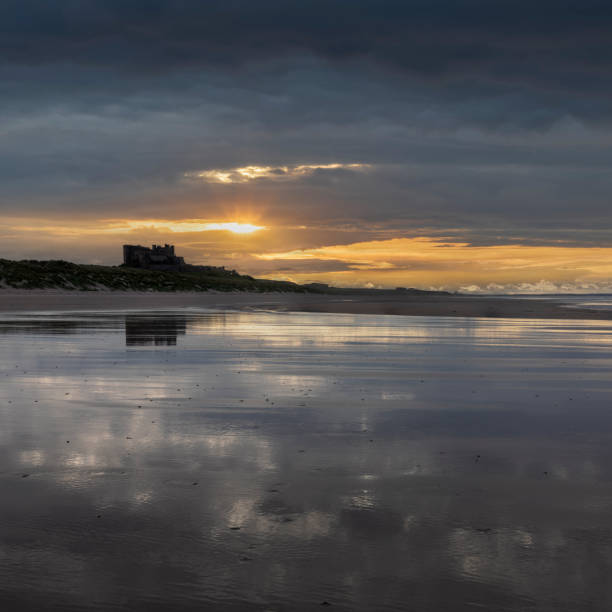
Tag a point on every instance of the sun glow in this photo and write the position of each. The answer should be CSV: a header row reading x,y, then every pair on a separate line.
x,y
125,226
235,228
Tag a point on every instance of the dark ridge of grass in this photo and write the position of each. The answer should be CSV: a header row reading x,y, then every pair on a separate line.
x,y
59,274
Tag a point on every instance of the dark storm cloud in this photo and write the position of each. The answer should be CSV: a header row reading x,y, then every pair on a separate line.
x,y
487,116
459,48
492,60
428,36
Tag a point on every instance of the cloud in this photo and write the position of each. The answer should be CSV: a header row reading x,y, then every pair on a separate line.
x,y
428,263
540,287
273,173
192,225
427,38
484,123
125,226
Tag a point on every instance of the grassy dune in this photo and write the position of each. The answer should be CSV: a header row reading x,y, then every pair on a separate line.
x,y
57,274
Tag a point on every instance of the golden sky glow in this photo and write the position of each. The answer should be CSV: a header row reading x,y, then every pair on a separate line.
x,y
327,255
130,225
426,262
191,226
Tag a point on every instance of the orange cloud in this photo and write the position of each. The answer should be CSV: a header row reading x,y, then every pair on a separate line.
x,y
427,262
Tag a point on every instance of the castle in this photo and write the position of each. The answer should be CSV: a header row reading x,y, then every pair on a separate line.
x,y
163,258
156,258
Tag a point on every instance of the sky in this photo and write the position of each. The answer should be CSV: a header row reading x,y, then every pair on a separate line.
x,y
445,144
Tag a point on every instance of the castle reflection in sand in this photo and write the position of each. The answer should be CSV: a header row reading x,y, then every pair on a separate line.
x,y
154,330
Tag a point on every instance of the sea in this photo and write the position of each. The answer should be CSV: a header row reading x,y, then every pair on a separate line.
x,y
598,301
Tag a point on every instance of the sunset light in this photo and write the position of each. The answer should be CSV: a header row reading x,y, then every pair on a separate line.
x,y
235,228
194,225
270,173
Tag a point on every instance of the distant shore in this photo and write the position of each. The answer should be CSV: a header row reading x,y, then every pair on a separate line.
x,y
36,300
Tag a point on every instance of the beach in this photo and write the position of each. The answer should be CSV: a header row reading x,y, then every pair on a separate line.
x,y
383,303
271,460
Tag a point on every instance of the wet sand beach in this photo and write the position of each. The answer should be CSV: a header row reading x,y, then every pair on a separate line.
x,y
216,460
387,303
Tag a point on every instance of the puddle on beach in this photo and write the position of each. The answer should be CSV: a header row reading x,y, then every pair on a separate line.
x,y
274,461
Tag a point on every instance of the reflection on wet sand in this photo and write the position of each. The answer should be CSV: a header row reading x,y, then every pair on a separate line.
x,y
276,461
143,330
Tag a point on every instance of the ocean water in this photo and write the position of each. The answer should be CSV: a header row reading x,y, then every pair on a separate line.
x,y
201,460
598,301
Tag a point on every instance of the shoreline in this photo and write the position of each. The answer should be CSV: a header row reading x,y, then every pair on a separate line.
x,y
37,300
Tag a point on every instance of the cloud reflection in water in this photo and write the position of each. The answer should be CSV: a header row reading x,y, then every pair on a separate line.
x,y
273,461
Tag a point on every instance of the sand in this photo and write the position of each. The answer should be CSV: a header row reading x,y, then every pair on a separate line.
x,y
250,461
18,300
